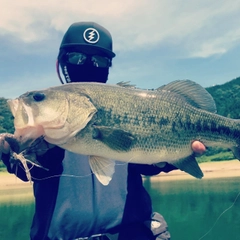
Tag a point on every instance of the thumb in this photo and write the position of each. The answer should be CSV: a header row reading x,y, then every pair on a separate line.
x,y
4,146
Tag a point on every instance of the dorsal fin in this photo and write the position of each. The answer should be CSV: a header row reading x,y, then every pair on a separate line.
x,y
193,93
126,84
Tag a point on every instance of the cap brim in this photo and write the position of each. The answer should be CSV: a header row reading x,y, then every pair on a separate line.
x,y
90,47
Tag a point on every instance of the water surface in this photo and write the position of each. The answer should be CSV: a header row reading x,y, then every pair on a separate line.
x,y
193,208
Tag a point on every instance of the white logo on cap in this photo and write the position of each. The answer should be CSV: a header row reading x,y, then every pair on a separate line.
x,y
91,35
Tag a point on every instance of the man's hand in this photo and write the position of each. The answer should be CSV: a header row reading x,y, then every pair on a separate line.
x,y
5,151
198,149
4,146
13,156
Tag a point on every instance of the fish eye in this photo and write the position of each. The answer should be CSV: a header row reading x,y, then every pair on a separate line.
x,y
38,97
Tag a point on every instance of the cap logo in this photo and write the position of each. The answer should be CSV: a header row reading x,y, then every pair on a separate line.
x,y
91,35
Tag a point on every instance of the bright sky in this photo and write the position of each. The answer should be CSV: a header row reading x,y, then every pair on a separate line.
x,y
156,41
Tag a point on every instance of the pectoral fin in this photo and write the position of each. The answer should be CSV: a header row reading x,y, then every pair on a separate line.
x,y
190,166
103,168
116,139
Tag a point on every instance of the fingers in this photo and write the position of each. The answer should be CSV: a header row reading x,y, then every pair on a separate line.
x,y
161,164
166,167
39,147
4,146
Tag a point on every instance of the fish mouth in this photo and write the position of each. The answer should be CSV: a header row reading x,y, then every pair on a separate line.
x,y
13,104
26,131
22,113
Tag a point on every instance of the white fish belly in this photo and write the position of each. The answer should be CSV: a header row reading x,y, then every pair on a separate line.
x,y
132,156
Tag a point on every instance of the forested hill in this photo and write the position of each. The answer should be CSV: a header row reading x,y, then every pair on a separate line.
x,y
226,96
6,119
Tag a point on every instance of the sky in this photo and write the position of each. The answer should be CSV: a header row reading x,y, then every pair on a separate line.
x,y
155,41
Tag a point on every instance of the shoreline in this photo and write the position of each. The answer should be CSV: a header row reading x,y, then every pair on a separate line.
x,y
13,189
211,170
218,169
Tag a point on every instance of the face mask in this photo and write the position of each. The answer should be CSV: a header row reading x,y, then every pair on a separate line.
x,y
84,73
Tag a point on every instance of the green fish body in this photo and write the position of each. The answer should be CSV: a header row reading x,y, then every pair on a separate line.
x,y
124,123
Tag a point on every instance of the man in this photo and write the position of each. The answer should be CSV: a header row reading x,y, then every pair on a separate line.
x,y
70,201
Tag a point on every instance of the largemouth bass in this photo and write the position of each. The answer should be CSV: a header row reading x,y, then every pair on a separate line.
x,y
125,123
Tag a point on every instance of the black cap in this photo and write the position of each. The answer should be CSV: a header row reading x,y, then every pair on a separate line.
x,y
88,35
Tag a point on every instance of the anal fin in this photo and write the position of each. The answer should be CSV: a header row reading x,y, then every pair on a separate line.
x,y
190,166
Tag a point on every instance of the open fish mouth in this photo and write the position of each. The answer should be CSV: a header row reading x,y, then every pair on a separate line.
x,y
26,131
22,113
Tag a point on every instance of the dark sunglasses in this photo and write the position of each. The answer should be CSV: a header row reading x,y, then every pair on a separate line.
x,y
79,58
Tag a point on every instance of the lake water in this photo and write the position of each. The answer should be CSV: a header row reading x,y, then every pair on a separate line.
x,y
199,209
192,209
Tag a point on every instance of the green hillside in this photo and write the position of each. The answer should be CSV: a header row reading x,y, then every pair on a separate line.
x,y
6,119
227,98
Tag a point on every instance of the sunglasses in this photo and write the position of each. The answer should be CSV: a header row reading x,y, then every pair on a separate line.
x,y
79,58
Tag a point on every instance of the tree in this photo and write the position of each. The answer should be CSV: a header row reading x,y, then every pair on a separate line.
x,y
6,118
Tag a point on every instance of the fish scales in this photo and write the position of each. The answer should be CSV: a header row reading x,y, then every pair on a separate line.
x,y
163,118
127,124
